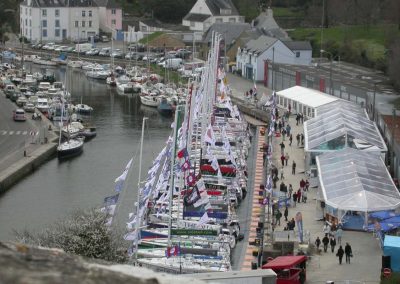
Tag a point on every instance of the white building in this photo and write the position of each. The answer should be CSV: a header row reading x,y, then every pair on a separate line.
x,y
207,12
58,20
252,57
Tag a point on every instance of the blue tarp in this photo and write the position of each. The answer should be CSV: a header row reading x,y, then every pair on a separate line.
x,y
391,247
382,215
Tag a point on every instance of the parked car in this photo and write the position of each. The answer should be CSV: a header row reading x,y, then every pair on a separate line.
x,y
29,107
59,48
93,51
106,51
104,38
117,53
19,115
48,46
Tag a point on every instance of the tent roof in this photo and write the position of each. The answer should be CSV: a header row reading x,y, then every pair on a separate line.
x,y
391,241
306,96
341,104
355,180
282,262
339,120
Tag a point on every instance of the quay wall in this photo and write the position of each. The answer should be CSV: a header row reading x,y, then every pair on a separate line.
x,y
251,110
26,165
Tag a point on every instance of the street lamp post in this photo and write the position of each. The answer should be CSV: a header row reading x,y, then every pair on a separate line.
x,y
330,69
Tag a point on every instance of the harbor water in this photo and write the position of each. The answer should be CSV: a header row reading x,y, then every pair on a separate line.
x,y
58,188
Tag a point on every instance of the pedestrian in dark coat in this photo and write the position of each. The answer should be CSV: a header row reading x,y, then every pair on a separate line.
x,y
340,254
332,243
317,243
282,148
348,252
302,183
307,184
290,139
293,168
325,241
299,195
286,213
298,139
294,199
283,160
264,158
286,158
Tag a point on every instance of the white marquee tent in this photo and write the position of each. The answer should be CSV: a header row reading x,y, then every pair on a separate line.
x,y
303,100
357,181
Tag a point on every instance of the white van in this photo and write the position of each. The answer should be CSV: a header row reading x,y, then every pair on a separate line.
x,y
19,115
173,63
83,47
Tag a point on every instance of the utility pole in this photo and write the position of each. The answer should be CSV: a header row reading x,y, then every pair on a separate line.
x,y
273,67
392,167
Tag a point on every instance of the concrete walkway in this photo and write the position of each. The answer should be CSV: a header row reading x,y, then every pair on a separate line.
x,y
366,263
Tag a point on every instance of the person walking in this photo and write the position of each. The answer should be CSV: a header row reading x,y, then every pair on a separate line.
x,y
298,139
332,242
317,243
286,213
339,233
297,119
307,184
302,138
282,174
290,190
283,134
299,195
294,199
293,168
283,160
286,158
282,148
280,126
340,254
326,229
290,139
348,252
278,217
264,158
304,196
302,184
325,242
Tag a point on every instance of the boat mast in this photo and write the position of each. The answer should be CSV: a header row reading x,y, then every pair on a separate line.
x,y
138,199
172,176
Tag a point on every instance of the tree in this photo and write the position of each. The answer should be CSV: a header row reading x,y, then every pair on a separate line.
x,y
84,233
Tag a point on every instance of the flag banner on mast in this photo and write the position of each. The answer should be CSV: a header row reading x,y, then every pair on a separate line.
x,y
111,200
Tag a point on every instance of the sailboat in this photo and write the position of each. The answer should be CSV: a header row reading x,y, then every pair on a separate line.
x,y
72,146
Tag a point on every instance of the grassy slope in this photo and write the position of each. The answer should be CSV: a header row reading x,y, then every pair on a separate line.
x,y
372,39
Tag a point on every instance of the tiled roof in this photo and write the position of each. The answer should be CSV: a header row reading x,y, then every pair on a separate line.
x,y
196,17
216,5
298,45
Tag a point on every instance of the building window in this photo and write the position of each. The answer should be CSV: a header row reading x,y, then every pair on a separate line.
x,y
192,24
232,20
113,11
30,23
26,22
30,12
297,53
90,13
44,12
90,24
83,13
44,24
57,32
57,12
26,11
218,20
76,24
113,22
57,23
83,23
144,29
44,33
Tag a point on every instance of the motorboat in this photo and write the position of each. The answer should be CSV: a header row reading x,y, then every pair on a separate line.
x,y
44,86
100,75
70,148
165,107
46,62
124,87
83,109
75,63
151,101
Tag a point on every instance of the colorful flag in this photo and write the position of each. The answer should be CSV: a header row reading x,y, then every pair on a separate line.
x,y
191,179
111,200
210,137
119,181
173,251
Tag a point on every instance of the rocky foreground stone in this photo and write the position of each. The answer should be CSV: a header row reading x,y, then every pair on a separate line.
x,y
25,264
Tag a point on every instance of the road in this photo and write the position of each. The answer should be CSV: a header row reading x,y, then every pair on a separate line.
x,y
14,136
